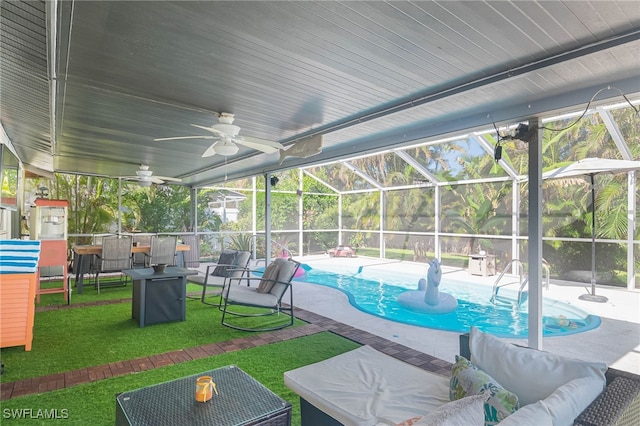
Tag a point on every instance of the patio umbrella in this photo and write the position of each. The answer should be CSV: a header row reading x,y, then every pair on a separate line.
x,y
591,167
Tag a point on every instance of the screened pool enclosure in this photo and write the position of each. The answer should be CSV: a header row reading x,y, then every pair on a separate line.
x,y
446,197
450,198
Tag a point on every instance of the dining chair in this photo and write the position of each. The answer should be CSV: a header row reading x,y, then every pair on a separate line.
x,y
115,257
139,259
191,257
162,251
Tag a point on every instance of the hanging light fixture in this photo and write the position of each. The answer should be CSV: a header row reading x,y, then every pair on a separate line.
x,y
226,148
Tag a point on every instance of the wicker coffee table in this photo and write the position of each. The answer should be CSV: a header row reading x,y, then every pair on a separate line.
x,y
241,400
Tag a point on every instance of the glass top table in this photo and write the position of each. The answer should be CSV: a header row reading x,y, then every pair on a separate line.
x,y
241,400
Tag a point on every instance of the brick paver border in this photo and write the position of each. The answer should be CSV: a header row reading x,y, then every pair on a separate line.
x,y
315,324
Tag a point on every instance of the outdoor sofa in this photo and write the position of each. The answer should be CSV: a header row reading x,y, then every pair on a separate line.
x,y
365,387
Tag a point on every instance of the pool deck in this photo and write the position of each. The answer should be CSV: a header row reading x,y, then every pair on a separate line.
x,y
616,341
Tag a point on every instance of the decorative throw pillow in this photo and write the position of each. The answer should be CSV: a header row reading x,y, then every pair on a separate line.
x,y
468,411
531,374
269,277
530,415
467,379
410,422
226,261
571,399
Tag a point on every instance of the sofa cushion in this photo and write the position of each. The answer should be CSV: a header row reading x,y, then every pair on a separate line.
x,y
560,408
468,411
535,414
466,379
250,296
364,387
568,401
531,374
211,280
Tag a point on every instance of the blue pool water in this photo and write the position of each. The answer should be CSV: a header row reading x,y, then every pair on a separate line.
x,y
376,293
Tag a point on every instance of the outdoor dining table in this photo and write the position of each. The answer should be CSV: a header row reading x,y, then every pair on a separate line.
x,y
83,251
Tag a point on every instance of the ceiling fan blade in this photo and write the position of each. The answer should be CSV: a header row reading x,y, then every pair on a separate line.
x,y
263,142
257,146
210,151
212,130
184,137
168,179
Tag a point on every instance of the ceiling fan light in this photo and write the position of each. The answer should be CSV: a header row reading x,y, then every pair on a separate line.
x,y
144,183
226,148
229,129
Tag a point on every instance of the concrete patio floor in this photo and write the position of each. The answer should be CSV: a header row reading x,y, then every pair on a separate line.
x,y
616,341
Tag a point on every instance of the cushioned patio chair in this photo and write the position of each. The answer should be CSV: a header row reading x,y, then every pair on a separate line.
x,y
231,264
115,257
266,296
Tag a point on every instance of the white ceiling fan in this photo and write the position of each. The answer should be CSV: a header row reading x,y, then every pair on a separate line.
x,y
145,177
225,135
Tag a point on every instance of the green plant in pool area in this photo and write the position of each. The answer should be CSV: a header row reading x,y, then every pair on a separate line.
x,y
242,242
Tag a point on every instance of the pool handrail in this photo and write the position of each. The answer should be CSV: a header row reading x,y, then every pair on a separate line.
x,y
524,279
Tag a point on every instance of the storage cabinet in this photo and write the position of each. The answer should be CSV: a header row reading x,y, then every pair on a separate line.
x,y
17,309
18,282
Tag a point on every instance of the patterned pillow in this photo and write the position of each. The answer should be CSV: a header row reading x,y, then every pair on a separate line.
x,y
410,422
467,411
467,379
226,261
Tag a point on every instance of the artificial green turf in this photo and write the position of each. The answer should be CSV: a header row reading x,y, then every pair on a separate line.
x,y
89,293
94,403
80,337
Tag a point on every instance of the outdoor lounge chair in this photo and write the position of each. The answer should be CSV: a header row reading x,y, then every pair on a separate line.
x,y
267,296
115,257
231,264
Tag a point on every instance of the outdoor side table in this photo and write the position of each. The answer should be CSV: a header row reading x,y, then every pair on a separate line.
x,y
159,296
482,264
241,400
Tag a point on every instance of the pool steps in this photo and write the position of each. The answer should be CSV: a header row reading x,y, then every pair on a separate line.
x,y
524,281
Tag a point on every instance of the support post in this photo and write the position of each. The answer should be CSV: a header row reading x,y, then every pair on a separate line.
x,y
535,236
267,218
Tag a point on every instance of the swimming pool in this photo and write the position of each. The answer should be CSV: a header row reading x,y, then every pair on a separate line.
x,y
376,292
